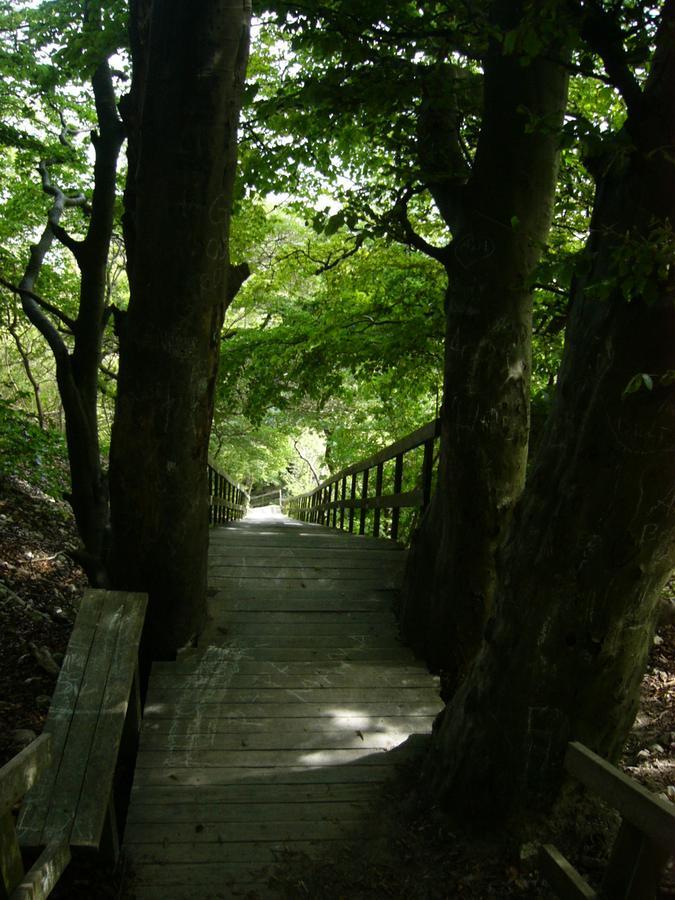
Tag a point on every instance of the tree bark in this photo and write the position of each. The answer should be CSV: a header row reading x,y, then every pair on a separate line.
x,y
499,227
189,67
593,538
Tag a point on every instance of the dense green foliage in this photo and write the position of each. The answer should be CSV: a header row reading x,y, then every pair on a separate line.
x,y
338,332
34,454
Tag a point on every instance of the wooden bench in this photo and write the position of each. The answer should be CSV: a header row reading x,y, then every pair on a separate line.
x,y
93,721
16,778
645,841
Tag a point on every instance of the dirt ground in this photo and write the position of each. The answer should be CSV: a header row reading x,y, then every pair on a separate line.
x,y
422,858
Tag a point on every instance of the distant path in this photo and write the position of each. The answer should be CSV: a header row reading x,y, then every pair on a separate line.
x,y
274,734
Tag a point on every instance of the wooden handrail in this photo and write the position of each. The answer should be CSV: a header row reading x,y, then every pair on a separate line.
x,y
277,493
332,499
228,501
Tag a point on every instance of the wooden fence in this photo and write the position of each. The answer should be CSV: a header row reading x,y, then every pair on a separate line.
x,y
274,497
345,500
227,500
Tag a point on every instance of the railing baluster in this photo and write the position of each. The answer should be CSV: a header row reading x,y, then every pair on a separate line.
x,y
343,493
427,472
378,494
364,501
352,500
398,484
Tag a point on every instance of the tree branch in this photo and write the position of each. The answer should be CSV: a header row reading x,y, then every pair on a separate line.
x,y
44,304
307,463
399,215
603,34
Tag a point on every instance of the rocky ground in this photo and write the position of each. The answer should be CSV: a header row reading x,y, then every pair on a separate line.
x,y
423,857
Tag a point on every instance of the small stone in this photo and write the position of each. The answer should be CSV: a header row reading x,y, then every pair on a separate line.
x,y
658,640
22,737
670,792
656,748
644,754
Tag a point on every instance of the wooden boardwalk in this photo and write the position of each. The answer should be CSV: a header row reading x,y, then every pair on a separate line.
x,y
276,734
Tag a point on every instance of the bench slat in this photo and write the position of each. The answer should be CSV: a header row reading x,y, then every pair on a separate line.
x,y
34,810
562,876
39,882
67,793
651,815
90,821
19,775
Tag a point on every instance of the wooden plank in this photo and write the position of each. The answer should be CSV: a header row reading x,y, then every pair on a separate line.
x,y
36,804
215,813
296,775
198,666
67,792
246,794
303,696
11,863
635,866
562,876
307,617
263,853
206,724
348,739
310,603
255,890
299,654
98,782
651,815
291,577
224,832
264,629
259,759
294,682
39,882
201,875
344,557
23,770
217,710
348,641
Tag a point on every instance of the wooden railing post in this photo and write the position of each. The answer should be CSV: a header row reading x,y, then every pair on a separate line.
x,y
364,501
352,499
343,493
427,472
378,493
398,484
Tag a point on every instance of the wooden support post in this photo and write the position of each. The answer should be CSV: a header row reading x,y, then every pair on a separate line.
x,y
378,493
335,503
364,502
352,498
343,494
634,868
398,484
427,472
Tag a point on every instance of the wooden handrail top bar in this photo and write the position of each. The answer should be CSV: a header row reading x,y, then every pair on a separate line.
x,y
211,465
410,442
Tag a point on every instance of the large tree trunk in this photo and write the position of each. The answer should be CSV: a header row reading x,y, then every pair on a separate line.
x,y
189,66
500,230
594,535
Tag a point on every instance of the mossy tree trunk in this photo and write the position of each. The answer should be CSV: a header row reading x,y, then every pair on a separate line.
x,y
499,220
593,536
189,67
